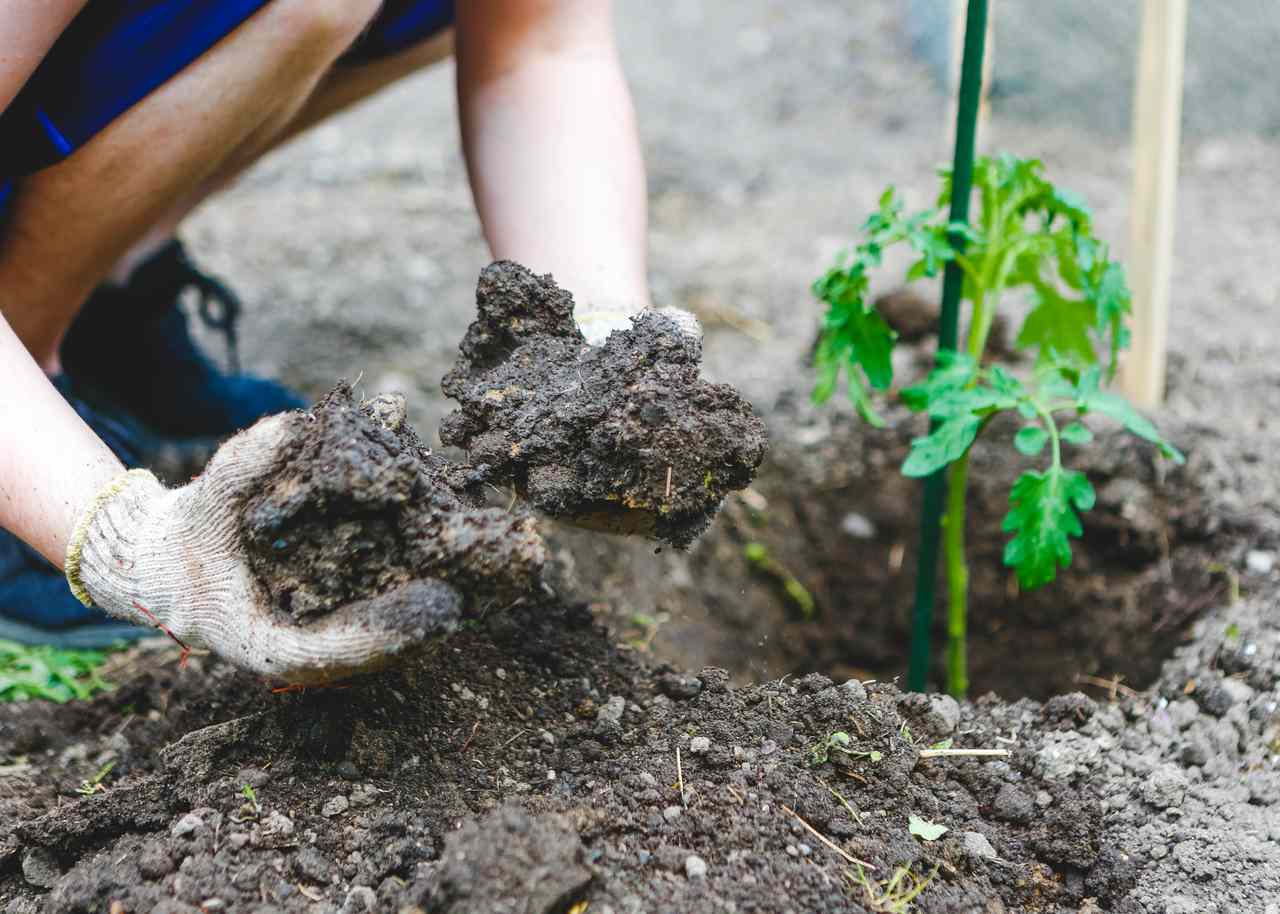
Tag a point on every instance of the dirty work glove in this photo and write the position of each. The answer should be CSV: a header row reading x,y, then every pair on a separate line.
x,y
175,559
597,321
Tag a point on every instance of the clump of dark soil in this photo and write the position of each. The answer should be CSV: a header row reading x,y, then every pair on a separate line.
x,y
357,506
623,437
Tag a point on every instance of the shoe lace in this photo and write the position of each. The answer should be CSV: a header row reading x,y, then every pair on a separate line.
x,y
219,308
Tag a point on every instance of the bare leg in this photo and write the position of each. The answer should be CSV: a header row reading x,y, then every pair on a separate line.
x,y
341,88
71,223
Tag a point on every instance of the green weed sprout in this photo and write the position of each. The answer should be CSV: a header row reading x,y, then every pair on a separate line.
x,y
1028,236
94,785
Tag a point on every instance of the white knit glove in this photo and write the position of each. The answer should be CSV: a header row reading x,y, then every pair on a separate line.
x,y
597,321
173,558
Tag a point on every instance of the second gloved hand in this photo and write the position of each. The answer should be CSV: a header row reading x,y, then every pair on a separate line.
x,y
175,558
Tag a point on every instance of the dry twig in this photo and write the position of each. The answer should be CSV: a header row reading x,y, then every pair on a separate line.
x,y
1112,685
828,842
961,753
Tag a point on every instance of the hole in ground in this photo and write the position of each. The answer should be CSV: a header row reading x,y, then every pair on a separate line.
x,y
835,518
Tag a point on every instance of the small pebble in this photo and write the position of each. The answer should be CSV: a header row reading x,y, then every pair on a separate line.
x,y
360,899
793,851
335,806
699,745
1259,562
854,689
254,777
671,813
186,825
679,687
977,845
40,868
804,849
858,527
695,867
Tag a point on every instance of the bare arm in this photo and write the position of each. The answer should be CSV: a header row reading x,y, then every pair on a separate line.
x,y
51,464
29,29
550,137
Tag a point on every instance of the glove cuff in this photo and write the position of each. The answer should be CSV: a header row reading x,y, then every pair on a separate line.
x,y
75,564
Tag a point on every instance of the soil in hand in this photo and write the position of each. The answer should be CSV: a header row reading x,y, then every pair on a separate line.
x,y
623,437
357,506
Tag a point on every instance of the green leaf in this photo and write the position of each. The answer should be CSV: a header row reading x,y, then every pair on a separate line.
x,y
871,341
828,368
946,443
1058,327
924,829
861,400
1090,398
861,344
1042,517
954,372
1111,302
1076,433
1030,440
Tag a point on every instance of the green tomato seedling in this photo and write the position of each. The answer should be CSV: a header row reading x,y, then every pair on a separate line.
x,y
1028,236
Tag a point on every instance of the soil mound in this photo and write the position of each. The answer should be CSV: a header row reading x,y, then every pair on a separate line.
x,y
623,437
529,765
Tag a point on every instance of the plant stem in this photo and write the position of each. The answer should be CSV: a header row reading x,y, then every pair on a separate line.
x,y
957,578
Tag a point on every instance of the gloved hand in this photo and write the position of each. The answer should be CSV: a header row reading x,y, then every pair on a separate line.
x,y
174,558
597,321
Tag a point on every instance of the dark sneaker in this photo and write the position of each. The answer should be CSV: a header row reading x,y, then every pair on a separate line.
x,y
131,348
36,605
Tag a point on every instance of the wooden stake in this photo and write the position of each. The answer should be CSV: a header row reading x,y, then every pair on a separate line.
x,y
1157,115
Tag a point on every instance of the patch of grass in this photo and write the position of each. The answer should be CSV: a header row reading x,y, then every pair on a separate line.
x,y
49,673
890,896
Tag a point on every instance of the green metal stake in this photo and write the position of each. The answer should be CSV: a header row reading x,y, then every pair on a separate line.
x,y
935,487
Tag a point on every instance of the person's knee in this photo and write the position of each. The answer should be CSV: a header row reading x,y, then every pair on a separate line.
x,y
330,23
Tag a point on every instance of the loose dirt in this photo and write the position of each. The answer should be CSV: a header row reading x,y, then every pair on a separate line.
x,y
529,765
624,437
